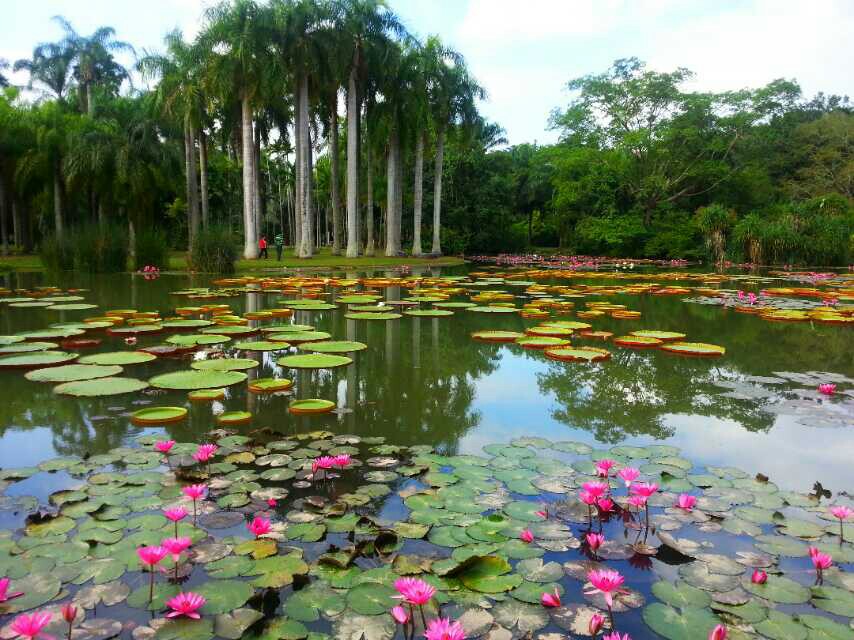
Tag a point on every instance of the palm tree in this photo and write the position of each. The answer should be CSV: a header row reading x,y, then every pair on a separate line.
x,y
452,93
50,67
94,64
365,27
179,94
419,115
238,41
4,81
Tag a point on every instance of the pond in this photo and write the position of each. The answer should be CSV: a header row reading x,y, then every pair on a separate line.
x,y
461,441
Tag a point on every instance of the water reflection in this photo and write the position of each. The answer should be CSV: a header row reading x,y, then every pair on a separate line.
x,y
423,380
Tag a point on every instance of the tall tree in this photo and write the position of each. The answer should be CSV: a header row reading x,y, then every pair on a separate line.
x,y
238,38
50,68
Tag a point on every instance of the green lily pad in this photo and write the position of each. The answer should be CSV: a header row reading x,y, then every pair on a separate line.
x,y
681,595
37,589
371,599
314,361
192,380
234,624
185,629
337,346
833,600
101,387
367,315
35,360
692,623
519,617
779,626
225,364
72,373
779,589
224,595
261,345
487,574
822,628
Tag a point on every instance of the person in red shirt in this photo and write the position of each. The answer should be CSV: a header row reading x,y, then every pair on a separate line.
x,y
262,245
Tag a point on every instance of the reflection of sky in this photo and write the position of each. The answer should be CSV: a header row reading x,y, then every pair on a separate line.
x,y
511,407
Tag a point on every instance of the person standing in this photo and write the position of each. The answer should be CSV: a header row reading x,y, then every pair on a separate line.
x,y
280,245
262,246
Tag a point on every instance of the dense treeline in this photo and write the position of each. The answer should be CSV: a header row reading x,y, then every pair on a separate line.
x,y
645,168
326,122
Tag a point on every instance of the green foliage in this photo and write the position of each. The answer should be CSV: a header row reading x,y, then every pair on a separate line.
x,y
152,248
90,248
214,251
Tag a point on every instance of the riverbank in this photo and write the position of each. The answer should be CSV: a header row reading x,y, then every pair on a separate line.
x,y
323,260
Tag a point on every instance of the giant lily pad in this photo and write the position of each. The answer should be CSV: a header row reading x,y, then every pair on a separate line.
x,y
118,358
690,624
193,379
339,346
35,360
72,373
371,599
314,361
158,415
101,387
225,364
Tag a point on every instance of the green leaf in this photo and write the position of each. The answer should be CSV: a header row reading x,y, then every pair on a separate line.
x,y
681,595
690,624
186,629
371,599
224,595
779,589
780,626
233,625
833,600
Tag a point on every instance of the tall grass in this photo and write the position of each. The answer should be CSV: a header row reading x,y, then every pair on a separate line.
x,y
152,248
89,248
214,251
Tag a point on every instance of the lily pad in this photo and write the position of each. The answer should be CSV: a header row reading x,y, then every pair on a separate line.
x,y
101,387
314,361
192,380
72,373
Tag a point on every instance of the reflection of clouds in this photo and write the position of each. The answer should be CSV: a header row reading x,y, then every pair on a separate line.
x,y
792,455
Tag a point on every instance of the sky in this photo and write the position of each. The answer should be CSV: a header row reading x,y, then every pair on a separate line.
x,y
524,53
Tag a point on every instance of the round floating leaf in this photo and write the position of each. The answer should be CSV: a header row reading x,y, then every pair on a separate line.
x,y
72,373
681,595
497,336
270,385
314,361
693,349
692,623
833,600
578,354
261,345
367,315
234,417
428,313
532,592
311,405
35,360
660,335
206,395
822,628
224,595
779,626
520,617
37,589
779,589
488,574
191,380
338,346
185,629
234,624
118,358
225,364
101,387
196,340
158,415
371,599
28,347
354,627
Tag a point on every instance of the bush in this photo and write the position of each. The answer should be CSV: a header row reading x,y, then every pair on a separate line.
x,y
57,254
214,251
90,248
152,248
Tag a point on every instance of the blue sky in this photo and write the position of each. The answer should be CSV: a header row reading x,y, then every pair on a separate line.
x,y
525,52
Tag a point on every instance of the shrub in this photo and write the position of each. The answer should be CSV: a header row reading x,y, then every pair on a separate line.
x,y
152,248
214,251
56,254
99,248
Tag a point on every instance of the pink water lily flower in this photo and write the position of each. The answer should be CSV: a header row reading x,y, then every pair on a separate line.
x,y
164,446
259,526
828,388
185,604
195,491
30,626
444,629
69,612
175,514
323,462
638,502
606,581
587,498
645,489
4,590
597,489
686,501
176,546
759,577
151,556
615,635
414,591
603,467
820,561
342,460
718,633
205,452
606,505
526,536
400,615
628,475
271,502
841,512
551,599
597,621
594,541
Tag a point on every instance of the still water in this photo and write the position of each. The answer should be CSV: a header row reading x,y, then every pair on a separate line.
x,y
425,381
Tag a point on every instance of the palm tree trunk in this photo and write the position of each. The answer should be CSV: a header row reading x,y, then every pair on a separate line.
x,y
370,247
4,241
90,102
392,230
132,242
307,246
418,194
192,180
437,193
335,170
257,188
352,165
203,173
250,233
57,199
297,202
102,211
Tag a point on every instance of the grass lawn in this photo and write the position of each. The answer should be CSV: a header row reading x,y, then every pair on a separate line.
x,y
322,260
